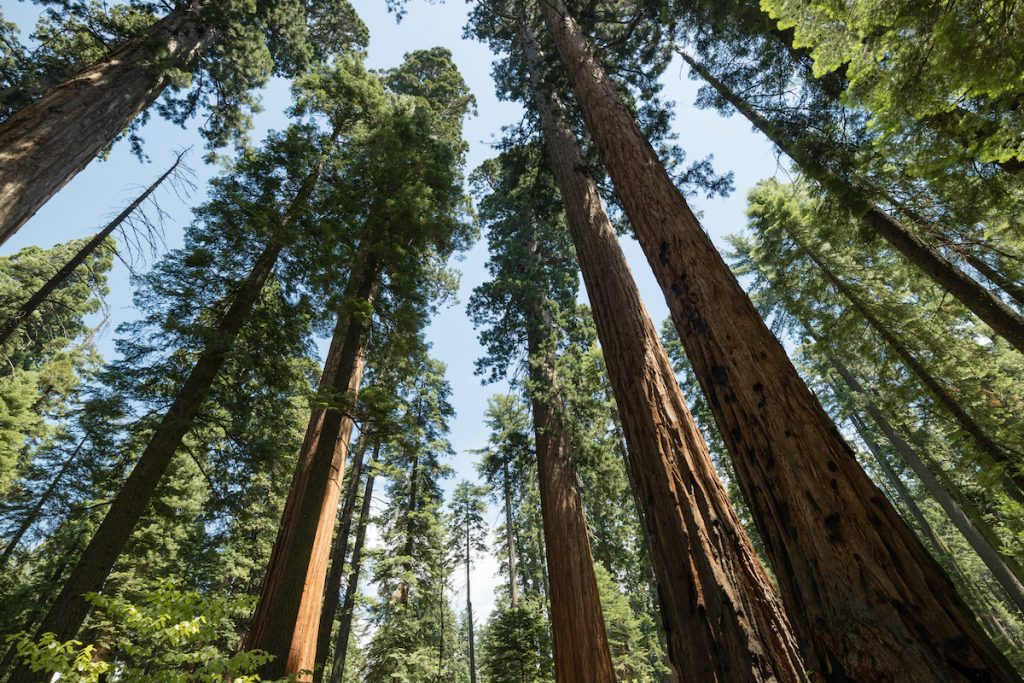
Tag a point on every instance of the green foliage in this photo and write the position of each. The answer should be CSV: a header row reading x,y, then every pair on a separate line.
x,y
512,644
166,635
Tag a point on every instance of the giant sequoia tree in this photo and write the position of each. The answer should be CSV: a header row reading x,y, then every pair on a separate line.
x,y
210,54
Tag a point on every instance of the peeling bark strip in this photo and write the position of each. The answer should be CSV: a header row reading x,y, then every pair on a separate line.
x,y
723,621
46,143
989,308
867,600
288,615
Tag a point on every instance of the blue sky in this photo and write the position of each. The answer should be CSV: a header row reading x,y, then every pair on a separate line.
x,y
104,187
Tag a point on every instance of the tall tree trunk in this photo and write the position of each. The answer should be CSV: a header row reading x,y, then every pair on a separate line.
x,y
348,606
1005,569
288,614
332,586
410,535
33,515
469,612
1014,483
868,601
509,538
69,609
29,307
977,298
46,143
722,619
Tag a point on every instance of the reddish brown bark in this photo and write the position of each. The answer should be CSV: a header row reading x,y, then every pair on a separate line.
x,y
45,144
867,601
577,623
722,619
287,616
339,551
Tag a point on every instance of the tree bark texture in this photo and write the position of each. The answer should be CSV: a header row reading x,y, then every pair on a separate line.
x,y
287,616
339,551
976,297
867,600
45,144
348,606
29,307
1005,569
723,621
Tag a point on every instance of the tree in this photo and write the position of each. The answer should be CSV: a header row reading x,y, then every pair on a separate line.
x,y
222,49
260,175
468,532
395,237
770,418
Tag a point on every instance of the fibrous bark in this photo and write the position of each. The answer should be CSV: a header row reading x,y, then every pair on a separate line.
x,y
867,600
45,144
722,619
287,616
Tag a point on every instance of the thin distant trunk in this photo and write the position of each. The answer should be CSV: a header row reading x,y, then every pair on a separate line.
x,y
1005,569
29,307
722,619
410,533
978,299
287,617
348,606
33,515
509,538
332,587
469,613
46,143
440,639
1015,477
867,600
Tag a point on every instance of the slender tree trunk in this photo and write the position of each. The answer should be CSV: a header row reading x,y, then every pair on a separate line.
x,y
868,601
29,307
288,614
469,613
1005,570
46,143
351,590
977,298
578,631
44,498
1014,475
69,609
509,538
410,535
332,586
722,619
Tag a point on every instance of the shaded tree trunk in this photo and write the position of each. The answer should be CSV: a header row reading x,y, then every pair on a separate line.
x,y
33,515
1005,570
332,586
978,299
46,143
1014,476
722,619
351,590
288,614
29,307
868,601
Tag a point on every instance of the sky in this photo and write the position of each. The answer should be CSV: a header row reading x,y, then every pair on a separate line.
x,y
104,187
